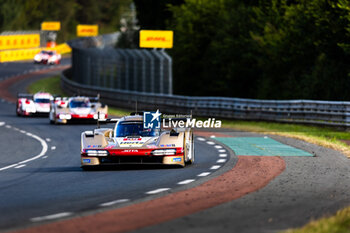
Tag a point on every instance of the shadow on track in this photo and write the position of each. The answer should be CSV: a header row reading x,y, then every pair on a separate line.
x,y
104,168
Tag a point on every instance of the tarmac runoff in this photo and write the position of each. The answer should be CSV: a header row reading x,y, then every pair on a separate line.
x,y
252,170
257,171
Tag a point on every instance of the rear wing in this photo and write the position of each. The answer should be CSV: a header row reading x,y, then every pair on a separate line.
x,y
110,120
94,99
106,121
25,95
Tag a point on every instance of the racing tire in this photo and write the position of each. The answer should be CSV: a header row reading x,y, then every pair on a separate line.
x,y
191,161
88,168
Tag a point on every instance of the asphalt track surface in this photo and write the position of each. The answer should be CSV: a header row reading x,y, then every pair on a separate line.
x,y
55,183
52,186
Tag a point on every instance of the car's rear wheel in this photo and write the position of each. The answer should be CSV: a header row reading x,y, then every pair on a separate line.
x,y
87,168
191,154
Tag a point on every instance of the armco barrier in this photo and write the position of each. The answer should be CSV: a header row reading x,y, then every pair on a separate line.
x,y
332,113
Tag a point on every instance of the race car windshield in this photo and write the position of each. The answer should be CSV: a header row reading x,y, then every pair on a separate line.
x,y
42,101
135,129
79,104
47,52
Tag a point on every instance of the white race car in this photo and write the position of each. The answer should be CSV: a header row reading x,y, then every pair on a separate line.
x,y
79,108
47,57
38,103
130,143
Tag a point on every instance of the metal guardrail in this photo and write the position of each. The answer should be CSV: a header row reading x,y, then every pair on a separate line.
x,y
331,113
123,69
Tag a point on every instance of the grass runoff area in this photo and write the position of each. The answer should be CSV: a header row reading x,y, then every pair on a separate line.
x,y
323,136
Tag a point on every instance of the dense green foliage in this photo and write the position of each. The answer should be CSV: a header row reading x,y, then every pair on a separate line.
x,y
29,14
270,49
151,15
154,14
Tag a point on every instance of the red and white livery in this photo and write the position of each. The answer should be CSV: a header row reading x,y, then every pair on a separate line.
x,y
38,103
78,108
47,57
130,143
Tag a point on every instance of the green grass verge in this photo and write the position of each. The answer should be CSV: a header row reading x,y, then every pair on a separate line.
x,y
51,85
323,136
339,223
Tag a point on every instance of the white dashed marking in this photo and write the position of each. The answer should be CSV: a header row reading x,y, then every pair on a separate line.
x,y
204,174
215,167
42,153
221,161
212,136
223,150
8,126
114,202
186,181
29,134
201,139
222,155
2,123
23,165
44,157
51,217
53,148
210,143
218,147
48,139
158,191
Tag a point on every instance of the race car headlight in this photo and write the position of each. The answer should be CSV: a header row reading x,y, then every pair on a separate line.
x,y
97,152
65,116
164,152
102,116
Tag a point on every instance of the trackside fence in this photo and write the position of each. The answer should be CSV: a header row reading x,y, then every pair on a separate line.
x,y
331,113
138,70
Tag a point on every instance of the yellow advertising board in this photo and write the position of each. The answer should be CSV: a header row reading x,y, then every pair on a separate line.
x,y
87,30
18,54
51,26
63,48
156,39
28,54
19,41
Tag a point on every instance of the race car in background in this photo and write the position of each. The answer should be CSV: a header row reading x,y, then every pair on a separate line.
x,y
78,109
130,143
38,103
47,57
